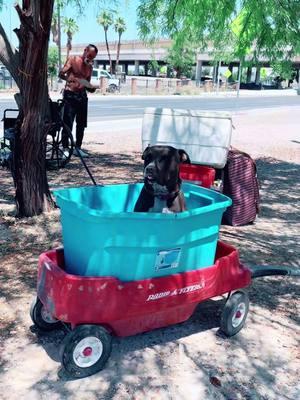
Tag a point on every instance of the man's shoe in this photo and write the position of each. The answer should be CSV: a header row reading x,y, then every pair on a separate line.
x,y
81,152
66,153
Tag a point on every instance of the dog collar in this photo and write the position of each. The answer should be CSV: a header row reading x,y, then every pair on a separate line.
x,y
163,196
167,196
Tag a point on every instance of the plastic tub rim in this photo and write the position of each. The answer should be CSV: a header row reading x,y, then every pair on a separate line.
x,y
142,215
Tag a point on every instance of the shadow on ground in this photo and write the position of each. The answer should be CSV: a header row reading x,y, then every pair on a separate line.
x,y
273,239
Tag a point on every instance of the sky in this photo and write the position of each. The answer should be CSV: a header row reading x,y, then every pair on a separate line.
x,y
89,30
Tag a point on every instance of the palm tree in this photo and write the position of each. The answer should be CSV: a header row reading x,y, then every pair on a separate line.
x,y
106,20
120,28
70,27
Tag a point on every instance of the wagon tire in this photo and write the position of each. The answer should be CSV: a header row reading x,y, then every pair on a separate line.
x,y
85,350
235,313
42,318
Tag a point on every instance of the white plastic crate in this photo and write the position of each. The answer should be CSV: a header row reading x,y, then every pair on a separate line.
x,y
205,136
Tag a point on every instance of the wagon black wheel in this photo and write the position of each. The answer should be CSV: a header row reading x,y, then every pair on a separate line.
x,y
235,313
56,156
42,318
85,350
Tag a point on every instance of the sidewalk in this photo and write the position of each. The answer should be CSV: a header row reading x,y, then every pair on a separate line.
x,y
243,93
254,131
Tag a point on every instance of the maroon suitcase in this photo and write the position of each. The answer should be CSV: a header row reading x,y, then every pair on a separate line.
x,y
240,183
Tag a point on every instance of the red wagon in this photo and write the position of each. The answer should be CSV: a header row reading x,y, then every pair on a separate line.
x,y
99,307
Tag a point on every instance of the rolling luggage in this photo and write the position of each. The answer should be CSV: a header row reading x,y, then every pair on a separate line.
x,y
240,183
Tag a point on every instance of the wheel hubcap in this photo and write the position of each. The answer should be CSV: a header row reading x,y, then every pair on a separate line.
x,y
47,317
238,315
87,352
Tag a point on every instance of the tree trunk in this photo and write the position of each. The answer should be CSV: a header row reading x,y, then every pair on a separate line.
x,y
118,52
29,166
69,44
108,52
178,72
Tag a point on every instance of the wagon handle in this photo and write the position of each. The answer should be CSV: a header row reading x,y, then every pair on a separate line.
x,y
258,271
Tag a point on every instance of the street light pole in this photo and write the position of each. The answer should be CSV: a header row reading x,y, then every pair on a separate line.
x,y
59,35
218,76
239,79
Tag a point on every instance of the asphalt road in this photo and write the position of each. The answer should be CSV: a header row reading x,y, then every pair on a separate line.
x,y
120,108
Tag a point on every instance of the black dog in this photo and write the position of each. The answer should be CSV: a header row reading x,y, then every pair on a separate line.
x,y
161,191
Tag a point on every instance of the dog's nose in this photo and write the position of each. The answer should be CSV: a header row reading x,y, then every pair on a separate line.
x,y
150,169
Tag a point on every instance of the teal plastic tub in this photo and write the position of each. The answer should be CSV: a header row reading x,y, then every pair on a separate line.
x,y
102,236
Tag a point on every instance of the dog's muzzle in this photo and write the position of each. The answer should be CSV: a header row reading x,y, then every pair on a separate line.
x,y
150,173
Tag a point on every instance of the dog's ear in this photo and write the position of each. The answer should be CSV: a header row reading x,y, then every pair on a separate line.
x,y
146,152
184,157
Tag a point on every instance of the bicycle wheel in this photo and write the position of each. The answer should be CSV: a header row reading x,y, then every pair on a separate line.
x,y
56,156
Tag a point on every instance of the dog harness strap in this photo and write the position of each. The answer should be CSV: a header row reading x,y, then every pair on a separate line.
x,y
163,196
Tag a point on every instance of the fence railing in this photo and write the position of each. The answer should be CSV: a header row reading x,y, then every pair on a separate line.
x,y
7,82
165,86
144,86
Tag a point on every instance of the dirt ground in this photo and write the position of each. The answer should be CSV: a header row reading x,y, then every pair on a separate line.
x,y
191,360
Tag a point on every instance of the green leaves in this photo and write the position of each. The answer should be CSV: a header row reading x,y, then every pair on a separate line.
x,y
69,26
182,58
105,19
52,61
120,25
283,69
245,29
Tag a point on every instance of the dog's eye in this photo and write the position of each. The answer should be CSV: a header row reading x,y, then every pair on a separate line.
x,y
163,159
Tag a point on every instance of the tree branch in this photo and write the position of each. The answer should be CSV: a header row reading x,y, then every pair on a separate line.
x,y
8,55
289,12
26,18
174,9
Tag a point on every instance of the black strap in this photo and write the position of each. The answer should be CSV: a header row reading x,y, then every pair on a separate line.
x,y
85,166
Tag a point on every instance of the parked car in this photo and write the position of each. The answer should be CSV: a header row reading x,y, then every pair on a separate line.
x,y
206,78
250,86
209,78
113,84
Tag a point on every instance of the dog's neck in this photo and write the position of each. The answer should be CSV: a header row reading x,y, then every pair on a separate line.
x,y
163,198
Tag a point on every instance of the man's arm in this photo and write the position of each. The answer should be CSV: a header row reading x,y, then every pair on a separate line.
x,y
91,90
89,87
64,72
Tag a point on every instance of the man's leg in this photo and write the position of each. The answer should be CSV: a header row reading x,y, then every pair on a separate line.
x,y
68,119
81,121
79,135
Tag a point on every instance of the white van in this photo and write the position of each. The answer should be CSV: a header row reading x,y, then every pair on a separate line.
x,y
112,84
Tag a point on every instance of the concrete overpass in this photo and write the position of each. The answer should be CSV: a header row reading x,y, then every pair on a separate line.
x,y
135,54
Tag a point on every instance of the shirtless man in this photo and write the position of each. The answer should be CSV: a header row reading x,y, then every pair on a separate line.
x,y
77,73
